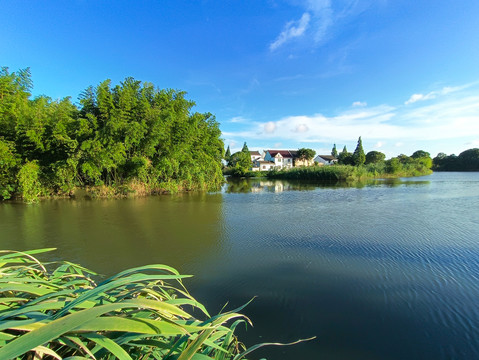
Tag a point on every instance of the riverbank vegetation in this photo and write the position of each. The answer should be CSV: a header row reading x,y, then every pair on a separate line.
x,y
348,166
119,139
402,166
58,311
468,160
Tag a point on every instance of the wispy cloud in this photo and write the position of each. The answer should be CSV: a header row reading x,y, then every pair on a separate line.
x,y
317,21
322,17
293,29
360,103
434,94
238,119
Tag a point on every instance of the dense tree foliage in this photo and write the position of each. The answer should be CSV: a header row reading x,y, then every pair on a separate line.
x,y
345,157
117,134
373,157
420,154
306,154
240,162
468,160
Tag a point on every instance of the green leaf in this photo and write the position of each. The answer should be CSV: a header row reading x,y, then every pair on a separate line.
x,y
67,323
110,345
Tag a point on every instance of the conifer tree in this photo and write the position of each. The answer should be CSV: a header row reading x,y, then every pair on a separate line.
x,y
334,151
359,158
227,153
245,148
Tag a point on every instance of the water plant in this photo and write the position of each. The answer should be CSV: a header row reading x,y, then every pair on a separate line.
x,y
57,310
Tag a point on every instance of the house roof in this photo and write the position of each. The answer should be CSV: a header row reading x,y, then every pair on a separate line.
x,y
254,153
284,153
327,157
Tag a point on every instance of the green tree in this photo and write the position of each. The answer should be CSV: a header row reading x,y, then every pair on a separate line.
x,y
469,160
29,181
117,134
345,157
245,148
373,157
240,162
443,162
404,159
306,154
227,153
9,162
334,151
420,154
359,158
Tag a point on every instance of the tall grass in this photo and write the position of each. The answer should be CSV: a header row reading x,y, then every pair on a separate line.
x,y
322,173
57,311
350,173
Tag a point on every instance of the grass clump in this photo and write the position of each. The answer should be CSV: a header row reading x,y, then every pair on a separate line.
x,y
57,311
386,169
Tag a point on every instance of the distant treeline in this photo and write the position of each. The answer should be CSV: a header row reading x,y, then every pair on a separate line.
x,y
123,137
466,161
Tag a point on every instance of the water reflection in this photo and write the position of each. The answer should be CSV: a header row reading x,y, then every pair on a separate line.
x,y
111,235
260,185
383,269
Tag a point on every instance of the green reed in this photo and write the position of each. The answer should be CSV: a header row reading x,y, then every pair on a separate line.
x,y
57,311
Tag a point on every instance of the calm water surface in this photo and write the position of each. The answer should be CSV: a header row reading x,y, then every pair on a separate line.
x,y
384,270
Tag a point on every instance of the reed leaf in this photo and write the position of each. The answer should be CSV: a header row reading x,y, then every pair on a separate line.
x,y
139,313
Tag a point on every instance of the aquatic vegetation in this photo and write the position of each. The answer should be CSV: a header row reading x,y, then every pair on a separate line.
x,y
59,311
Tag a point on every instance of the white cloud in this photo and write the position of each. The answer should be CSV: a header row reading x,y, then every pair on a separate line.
x,y
360,104
269,127
321,20
293,29
301,128
433,94
447,123
420,97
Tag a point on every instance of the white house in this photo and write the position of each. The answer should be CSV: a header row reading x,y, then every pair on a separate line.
x,y
255,155
281,158
263,165
325,160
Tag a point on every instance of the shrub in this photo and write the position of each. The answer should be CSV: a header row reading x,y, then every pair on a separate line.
x,y
29,181
8,170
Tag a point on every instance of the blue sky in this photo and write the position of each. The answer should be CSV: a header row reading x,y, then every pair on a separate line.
x,y
401,74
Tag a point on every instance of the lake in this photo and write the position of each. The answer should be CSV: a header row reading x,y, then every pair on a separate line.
x,y
380,270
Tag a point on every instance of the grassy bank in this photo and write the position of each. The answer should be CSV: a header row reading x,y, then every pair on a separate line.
x,y
351,173
58,311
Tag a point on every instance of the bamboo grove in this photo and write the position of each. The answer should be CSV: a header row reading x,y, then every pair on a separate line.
x,y
125,137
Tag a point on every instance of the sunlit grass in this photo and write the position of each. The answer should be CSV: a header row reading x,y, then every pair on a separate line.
x,y
57,311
